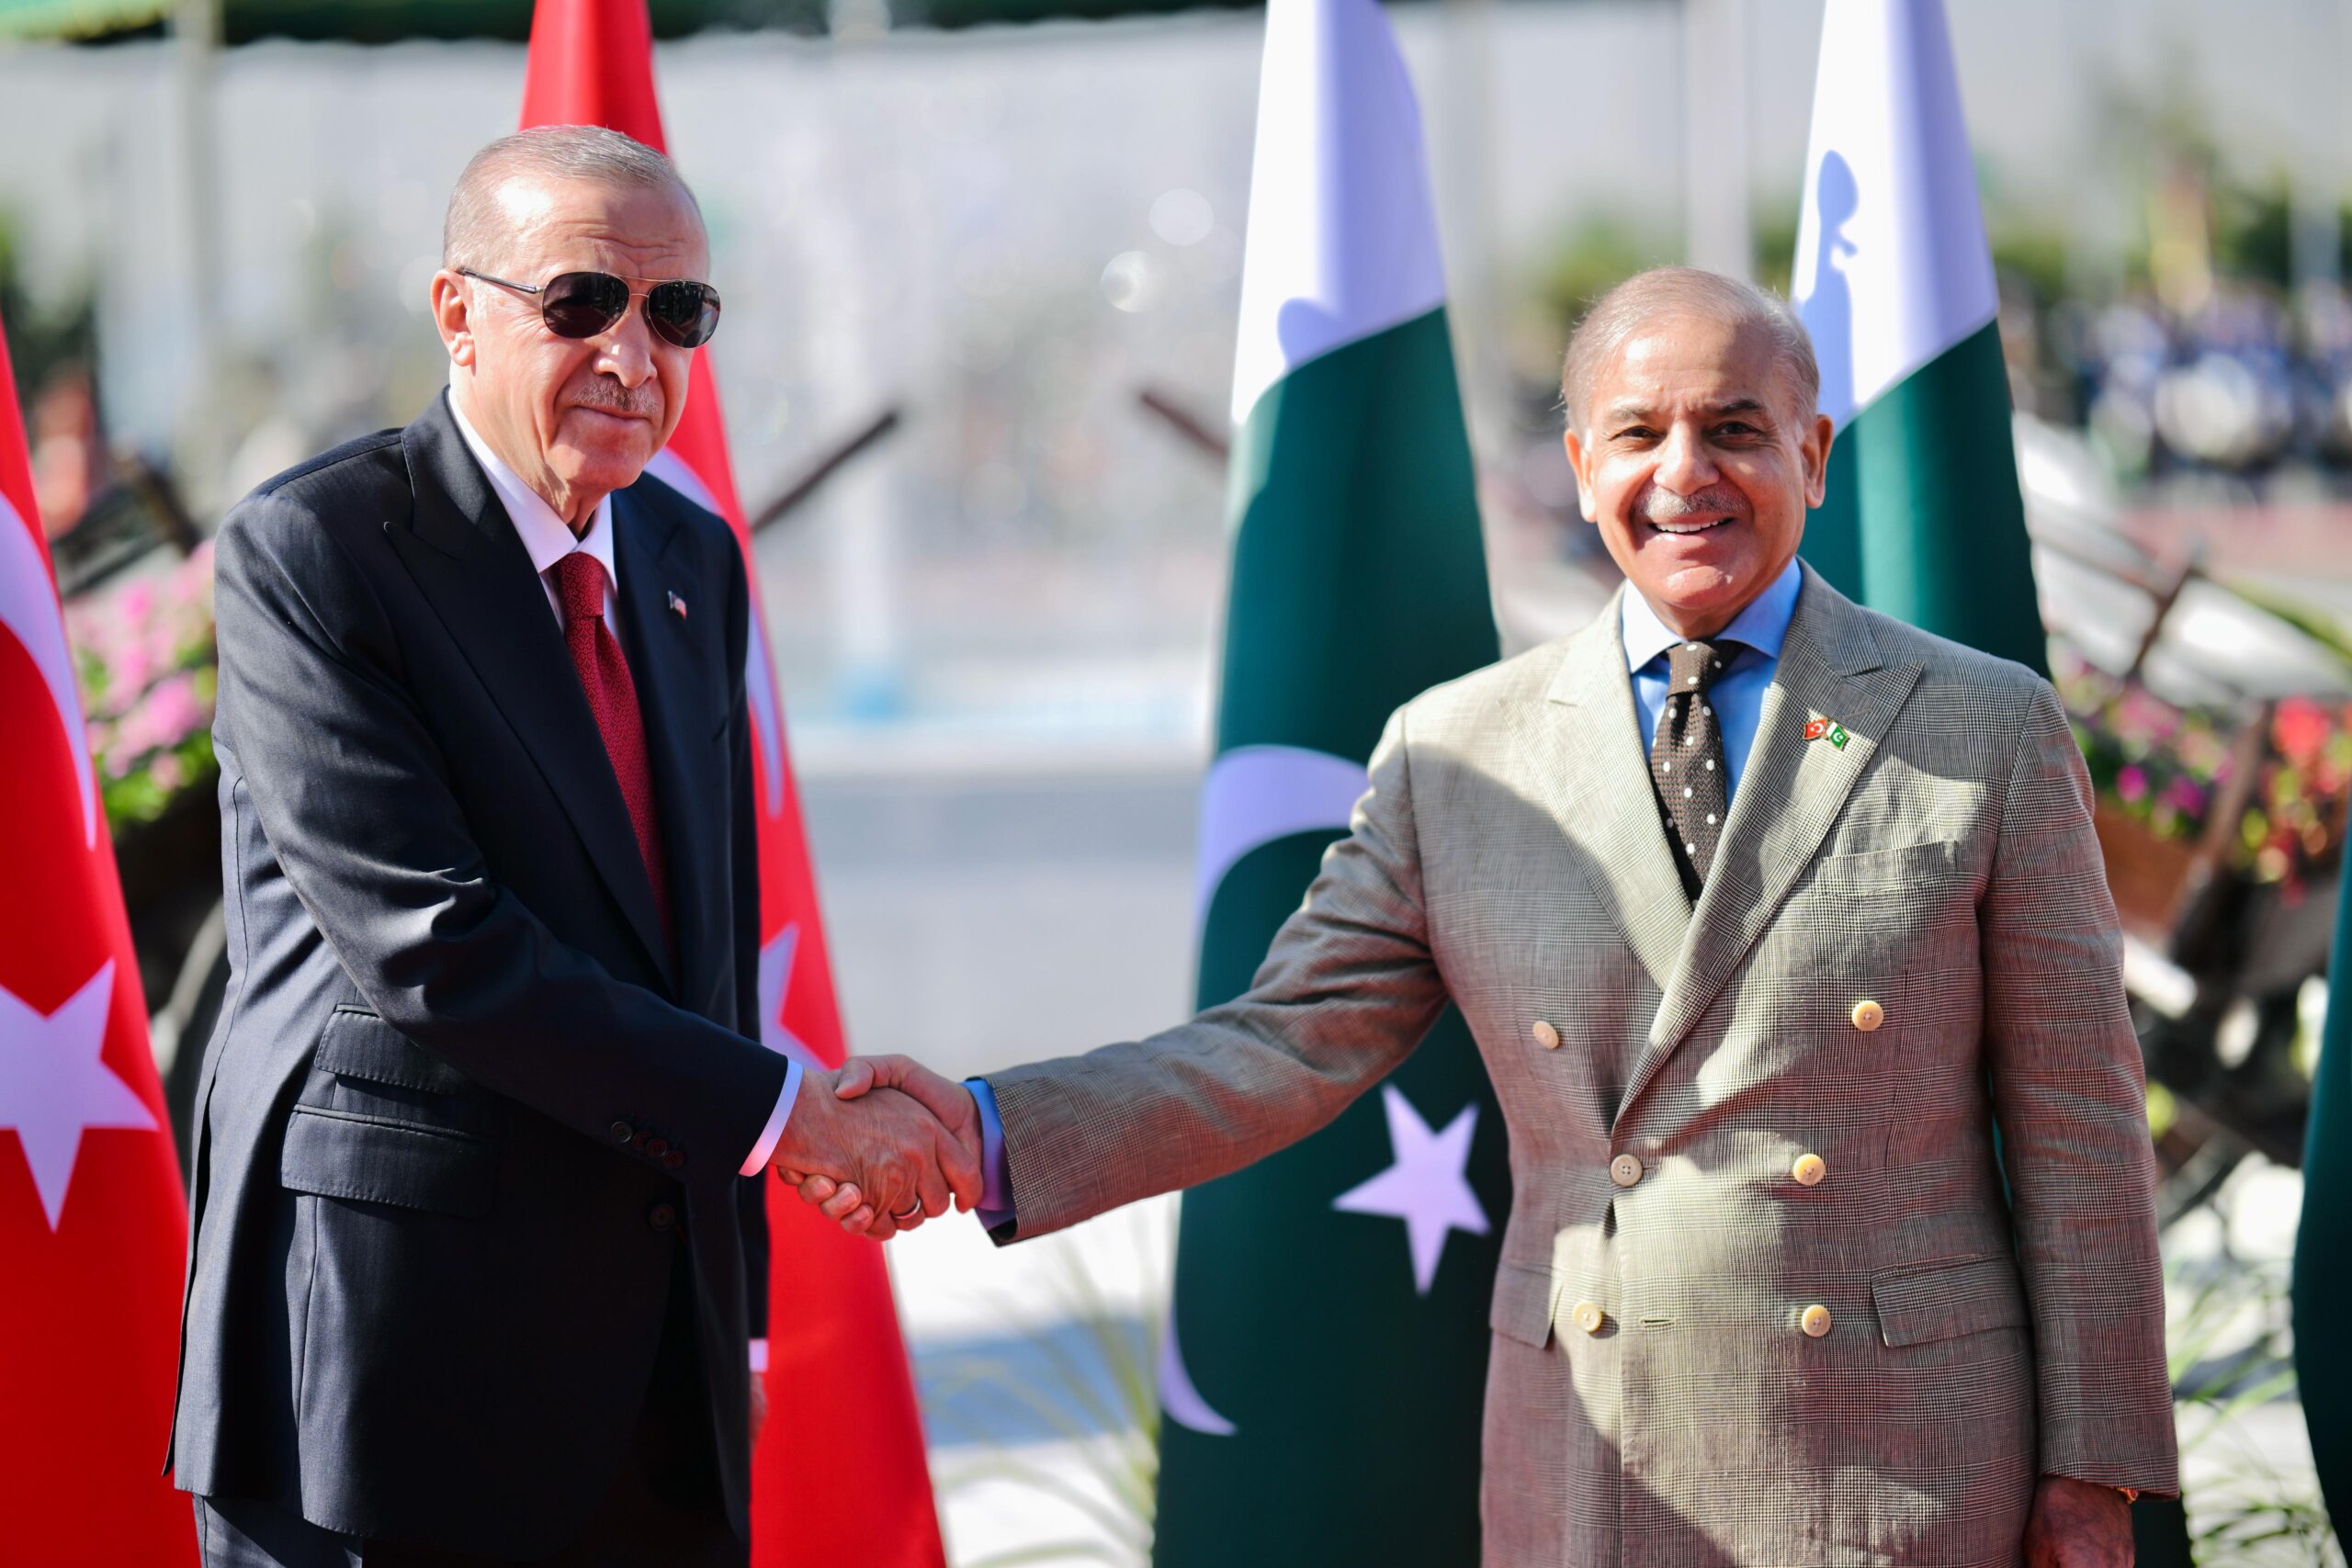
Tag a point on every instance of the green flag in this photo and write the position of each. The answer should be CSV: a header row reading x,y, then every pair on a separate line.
x,y
1325,1363
1923,518
2322,1280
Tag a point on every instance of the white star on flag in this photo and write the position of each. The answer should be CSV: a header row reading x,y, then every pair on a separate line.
x,y
1428,1188
53,1085
776,957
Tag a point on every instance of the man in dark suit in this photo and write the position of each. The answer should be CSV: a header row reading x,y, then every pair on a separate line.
x,y
475,1271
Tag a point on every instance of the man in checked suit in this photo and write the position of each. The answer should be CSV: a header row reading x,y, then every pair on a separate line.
x,y
474,1275
1763,908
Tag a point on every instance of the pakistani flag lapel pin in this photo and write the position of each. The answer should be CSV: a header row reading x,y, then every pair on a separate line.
x,y
1819,729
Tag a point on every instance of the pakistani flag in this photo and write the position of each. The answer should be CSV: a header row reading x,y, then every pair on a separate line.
x,y
1327,1348
1923,519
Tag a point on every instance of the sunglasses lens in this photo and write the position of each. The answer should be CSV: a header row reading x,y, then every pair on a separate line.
x,y
684,313
581,304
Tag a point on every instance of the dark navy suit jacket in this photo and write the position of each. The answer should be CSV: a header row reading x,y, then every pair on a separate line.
x,y
463,1107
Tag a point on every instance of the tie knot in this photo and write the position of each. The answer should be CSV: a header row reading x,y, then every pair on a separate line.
x,y
1693,666
580,584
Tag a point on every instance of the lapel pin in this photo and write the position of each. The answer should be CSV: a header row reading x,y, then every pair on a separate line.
x,y
1822,729
678,606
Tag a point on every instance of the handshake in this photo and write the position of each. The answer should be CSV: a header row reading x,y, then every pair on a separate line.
x,y
882,1145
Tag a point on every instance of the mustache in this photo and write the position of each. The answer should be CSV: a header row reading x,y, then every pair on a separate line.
x,y
608,396
1661,505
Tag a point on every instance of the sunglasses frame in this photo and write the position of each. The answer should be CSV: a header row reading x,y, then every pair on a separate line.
x,y
659,329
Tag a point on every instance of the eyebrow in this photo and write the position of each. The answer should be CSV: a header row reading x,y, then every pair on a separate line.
x,y
1624,413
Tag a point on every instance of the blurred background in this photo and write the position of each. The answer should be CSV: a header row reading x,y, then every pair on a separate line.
x,y
981,260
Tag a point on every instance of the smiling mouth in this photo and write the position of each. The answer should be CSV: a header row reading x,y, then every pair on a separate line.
x,y
1689,525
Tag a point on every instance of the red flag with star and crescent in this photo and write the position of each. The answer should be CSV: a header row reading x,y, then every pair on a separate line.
x,y
93,1222
841,1396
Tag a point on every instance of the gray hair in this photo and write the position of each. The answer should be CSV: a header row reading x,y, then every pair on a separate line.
x,y
1617,315
474,228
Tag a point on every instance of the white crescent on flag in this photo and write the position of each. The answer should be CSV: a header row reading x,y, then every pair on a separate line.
x,y
29,609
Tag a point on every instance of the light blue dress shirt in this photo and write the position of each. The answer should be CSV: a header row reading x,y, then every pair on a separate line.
x,y
1737,696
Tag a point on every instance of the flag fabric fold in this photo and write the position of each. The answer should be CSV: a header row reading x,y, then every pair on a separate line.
x,y
93,1220
1893,278
1324,1370
839,1476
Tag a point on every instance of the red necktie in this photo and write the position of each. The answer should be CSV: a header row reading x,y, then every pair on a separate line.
x,y
612,697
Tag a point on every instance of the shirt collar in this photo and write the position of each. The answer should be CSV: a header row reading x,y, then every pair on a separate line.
x,y
1762,624
546,538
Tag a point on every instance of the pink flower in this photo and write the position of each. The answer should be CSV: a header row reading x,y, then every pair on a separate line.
x,y
2132,784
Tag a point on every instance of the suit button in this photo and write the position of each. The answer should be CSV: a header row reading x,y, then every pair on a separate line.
x,y
623,1131
661,1216
1868,1015
640,1139
1588,1316
674,1161
1624,1170
1809,1170
657,1147
1815,1321
1546,1036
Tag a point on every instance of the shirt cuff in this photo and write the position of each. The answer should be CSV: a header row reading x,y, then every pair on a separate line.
x,y
774,1131
759,1355
996,1178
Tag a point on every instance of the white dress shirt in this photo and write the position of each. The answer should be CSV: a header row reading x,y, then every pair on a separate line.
x,y
546,539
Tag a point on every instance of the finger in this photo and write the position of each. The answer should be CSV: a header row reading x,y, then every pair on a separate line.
x,y
845,1201
930,1186
816,1188
790,1177
859,1222
960,1162
857,1077
882,1228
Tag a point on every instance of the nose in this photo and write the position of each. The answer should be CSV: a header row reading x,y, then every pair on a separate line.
x,y
1684,465
625,353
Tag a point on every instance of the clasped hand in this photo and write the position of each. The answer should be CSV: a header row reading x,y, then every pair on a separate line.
x,y
882,1145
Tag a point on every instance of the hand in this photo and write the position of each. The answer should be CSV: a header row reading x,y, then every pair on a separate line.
x,y
904,1164
945,1098
2076,1524
759,1405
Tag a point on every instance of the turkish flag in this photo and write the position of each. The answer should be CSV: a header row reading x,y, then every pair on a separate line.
x,y
839,1476
92,1223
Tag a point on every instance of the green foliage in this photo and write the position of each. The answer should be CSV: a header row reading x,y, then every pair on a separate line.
x,y
2231,1354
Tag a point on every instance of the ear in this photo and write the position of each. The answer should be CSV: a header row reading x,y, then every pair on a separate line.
x,y
1815,450
1580,460
452,302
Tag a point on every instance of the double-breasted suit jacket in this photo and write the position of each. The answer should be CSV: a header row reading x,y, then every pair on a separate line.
x,y
1764,1298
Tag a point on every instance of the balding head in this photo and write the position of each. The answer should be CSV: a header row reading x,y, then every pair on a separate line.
x,y
477,229
1647,298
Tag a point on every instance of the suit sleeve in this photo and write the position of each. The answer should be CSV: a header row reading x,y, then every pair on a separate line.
x,y
2072,1103
351,790
1348,989
743,852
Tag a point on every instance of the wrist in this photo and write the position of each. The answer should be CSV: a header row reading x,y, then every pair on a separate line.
x,y
805,1130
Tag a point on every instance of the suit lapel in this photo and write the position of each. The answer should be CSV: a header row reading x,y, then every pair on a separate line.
x,y
661,651
1790,792
1585,745
465,559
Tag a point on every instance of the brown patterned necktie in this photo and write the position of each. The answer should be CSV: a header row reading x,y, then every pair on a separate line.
x,y
1687,757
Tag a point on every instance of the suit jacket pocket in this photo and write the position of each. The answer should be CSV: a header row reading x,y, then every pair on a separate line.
x,y
375,1159
1523,1304
358,1045
1879,871
1925,1302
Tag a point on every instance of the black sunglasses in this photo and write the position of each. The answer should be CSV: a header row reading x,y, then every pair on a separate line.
x,y
585,304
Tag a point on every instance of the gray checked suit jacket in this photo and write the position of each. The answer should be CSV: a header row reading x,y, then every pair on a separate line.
x,y
1657,1396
